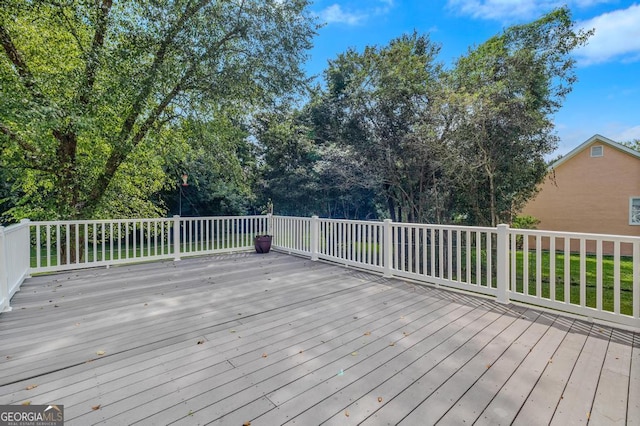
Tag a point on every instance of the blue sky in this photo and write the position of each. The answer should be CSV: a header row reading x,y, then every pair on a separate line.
x,y
604,100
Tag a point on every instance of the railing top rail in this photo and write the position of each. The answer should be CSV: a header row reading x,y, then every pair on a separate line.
x,y
223,217
446,227
98,221
362,222
307,219
138,219
14,227
575,235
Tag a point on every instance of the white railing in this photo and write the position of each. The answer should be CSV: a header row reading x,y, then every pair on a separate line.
x,y
594,275
65,245
460,257
597,276
14,260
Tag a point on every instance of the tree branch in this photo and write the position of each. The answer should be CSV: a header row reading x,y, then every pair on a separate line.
x,y
92,61
18,62
31,154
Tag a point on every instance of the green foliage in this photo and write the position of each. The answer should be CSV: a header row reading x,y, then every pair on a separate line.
x,y
94,96
525,222
633,144
464,145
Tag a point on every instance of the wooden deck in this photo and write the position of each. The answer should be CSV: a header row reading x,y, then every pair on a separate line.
x,y
274,338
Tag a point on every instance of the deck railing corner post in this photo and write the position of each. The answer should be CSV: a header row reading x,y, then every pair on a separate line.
x,y
387,249
4,279
502,261
27,246
176,237
315,240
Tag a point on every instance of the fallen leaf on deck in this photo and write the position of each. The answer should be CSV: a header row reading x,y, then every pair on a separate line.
x,y
232,331
246,424
95,407
392,344
367,333
354,353
300,352
405,333
488,366
100,353
200,342
346,413
264,355
31,387
26,403
379,399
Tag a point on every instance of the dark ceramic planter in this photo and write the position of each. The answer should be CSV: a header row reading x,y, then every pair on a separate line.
x,y
262,243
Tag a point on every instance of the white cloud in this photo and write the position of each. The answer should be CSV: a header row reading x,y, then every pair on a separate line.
x,y
509,10
617,37
337,14
627,135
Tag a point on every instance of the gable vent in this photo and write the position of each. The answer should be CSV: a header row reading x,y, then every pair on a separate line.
x,y
597,151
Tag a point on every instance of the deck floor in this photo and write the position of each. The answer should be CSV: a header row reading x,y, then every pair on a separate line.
x,y
273,339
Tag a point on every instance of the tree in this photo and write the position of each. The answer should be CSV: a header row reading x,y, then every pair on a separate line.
x,y
93,93
378,99
633,144
507,90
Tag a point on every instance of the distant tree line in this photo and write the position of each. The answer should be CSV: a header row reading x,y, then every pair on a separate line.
x,y
393,133
105,104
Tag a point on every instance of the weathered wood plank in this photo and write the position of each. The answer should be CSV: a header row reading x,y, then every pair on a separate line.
x,y
366,375
610,403
211,398
633,402
474,401
576,401
306,318
395,377
431,396
543,399
507,402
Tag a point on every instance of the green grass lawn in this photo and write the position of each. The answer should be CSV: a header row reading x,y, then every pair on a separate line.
x,y
591,280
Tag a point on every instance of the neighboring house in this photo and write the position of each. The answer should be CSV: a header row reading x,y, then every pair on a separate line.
x,y
594,189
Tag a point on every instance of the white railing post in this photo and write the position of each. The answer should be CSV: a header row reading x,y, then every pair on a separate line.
x,y
315,240
4,277
27,247
387,248
176,237
502,261
269,224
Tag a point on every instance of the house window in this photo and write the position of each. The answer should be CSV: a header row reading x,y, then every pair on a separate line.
x,y
597,151
634,211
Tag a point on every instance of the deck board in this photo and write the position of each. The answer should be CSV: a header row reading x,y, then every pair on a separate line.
x,y
275,338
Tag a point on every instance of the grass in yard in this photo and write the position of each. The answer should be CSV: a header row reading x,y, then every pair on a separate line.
x,y
573,277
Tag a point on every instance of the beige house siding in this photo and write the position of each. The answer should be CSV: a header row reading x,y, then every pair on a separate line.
x,y
589,194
